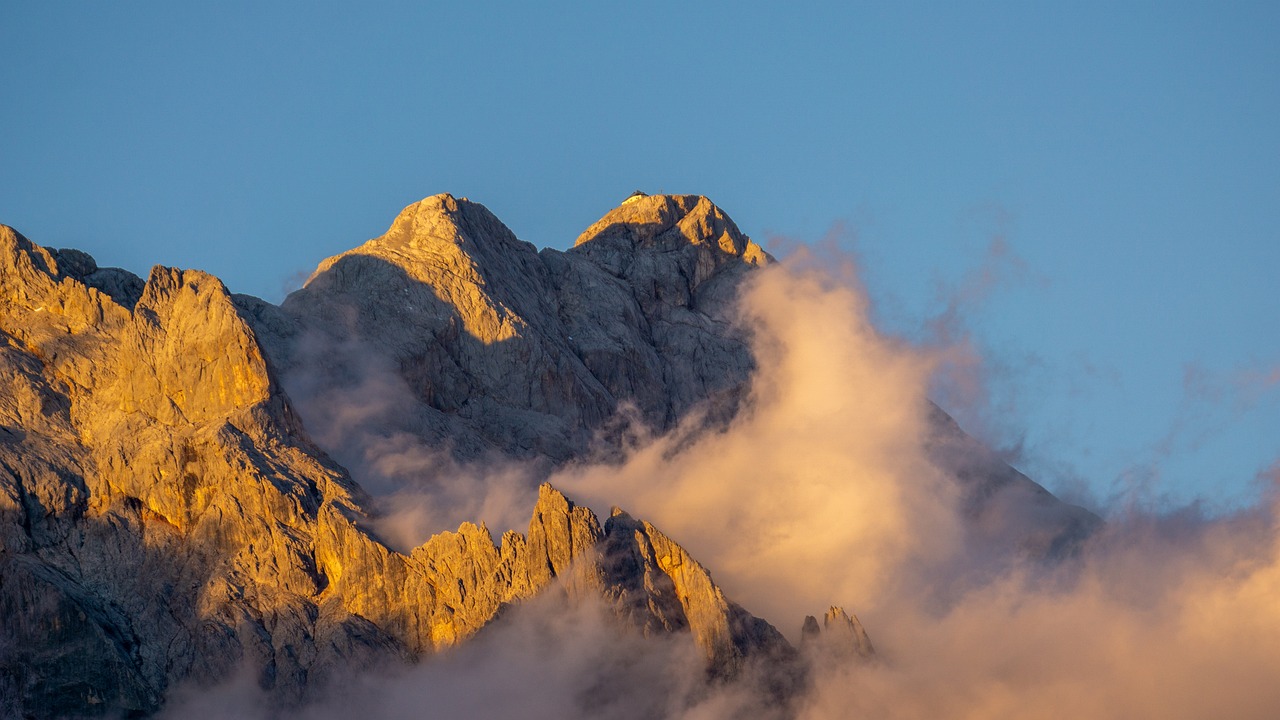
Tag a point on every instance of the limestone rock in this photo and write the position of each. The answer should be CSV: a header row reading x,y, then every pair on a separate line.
x,y
460,312
161,506
649,295
655,583
688,231
121,285
172,503
500,347
156,501
839,640
478,346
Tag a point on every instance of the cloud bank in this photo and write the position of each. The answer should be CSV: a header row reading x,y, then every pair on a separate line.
x,y
822,492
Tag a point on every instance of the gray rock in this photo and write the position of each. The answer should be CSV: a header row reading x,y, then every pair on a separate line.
x,y
529,354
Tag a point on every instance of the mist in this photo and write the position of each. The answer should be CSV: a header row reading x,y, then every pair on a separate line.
x,y
559,655
1169,616
822,492
371,424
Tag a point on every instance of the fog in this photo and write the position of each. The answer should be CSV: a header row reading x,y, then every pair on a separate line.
x,y
371,424
822,493
1163,616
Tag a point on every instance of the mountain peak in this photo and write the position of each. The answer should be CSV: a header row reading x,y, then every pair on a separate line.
x,y
678,242
439,230
431,210
669,222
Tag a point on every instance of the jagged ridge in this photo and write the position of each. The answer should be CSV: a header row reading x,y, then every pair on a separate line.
x,y
162,506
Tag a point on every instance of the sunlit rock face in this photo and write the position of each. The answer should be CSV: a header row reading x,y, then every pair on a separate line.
x,y
160,508
174,506
530,354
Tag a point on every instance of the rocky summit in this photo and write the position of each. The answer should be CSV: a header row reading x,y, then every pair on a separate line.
x,y
177,501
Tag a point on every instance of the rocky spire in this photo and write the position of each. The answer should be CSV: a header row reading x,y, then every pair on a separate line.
x,y
840,638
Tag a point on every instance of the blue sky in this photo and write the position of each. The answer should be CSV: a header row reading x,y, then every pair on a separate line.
x,y
1123,160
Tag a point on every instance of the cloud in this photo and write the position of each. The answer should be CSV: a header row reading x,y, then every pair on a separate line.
x,y
436,493
560,655
967,381
805,499
1165,616
559,658
1214,403
1242,387
821,492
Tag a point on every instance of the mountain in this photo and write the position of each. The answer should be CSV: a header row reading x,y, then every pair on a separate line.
x,y
524,352
177,498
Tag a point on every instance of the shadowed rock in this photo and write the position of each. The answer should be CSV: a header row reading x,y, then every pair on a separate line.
x,y
506,349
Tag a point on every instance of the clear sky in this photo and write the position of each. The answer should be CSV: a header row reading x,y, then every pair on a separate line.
x,y
1094,187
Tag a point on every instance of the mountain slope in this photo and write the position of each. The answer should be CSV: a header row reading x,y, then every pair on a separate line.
x,y
175,501
556,355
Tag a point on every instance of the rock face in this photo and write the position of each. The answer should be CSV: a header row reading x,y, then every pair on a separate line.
x,y
520,352
166,518
556,355
841,637
159,507
654,582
